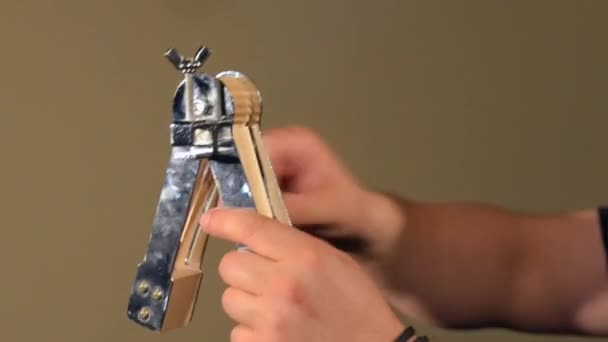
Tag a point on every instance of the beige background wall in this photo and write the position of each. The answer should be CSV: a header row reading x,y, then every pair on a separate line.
x,y
502,101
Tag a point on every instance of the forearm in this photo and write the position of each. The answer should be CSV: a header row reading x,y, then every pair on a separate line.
x,y
469,264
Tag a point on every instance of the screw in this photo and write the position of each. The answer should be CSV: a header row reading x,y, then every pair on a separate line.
x,y
144,314
143,287
157,294
188,65
200,107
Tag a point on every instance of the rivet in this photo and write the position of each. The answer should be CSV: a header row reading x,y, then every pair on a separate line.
x,y
157,294
144,314
143,287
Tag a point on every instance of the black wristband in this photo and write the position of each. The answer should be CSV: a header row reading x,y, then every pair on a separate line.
x,y
603,215
406,335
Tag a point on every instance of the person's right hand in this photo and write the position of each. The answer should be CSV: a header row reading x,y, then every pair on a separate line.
x,y
325,199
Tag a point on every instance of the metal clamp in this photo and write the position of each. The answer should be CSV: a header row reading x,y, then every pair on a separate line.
x,y
217,153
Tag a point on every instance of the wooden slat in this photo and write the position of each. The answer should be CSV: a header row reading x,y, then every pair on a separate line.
x,y
272,185
186,277
247,104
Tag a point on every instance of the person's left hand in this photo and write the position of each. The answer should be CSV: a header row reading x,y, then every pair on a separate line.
x,y
294,287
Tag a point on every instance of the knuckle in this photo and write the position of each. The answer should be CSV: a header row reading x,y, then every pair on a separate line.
x,y
227,264
275,327
239,334
284,285
235,335
274,337
250,225
251,230
241,224
288,291
227,298
312,260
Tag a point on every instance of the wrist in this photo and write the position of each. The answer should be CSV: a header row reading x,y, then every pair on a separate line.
x,y
386,219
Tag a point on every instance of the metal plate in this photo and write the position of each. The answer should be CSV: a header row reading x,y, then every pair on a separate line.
x,y
232,185
167,228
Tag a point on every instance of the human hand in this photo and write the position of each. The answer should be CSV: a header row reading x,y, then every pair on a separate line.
x,y
294,287
325,199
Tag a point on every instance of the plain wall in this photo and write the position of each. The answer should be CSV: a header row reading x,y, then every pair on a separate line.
x,y
498,101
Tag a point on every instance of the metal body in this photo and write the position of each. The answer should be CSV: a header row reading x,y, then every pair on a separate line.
x,y
216,151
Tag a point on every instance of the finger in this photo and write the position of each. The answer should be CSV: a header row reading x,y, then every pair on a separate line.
x,y
241,306
261,234
320,209
241,333
298,155
309,208
293,147
245,271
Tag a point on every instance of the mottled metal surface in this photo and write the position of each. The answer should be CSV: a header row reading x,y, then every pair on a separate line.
x,y
206,100
232,185
169,223
198,113
167,228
